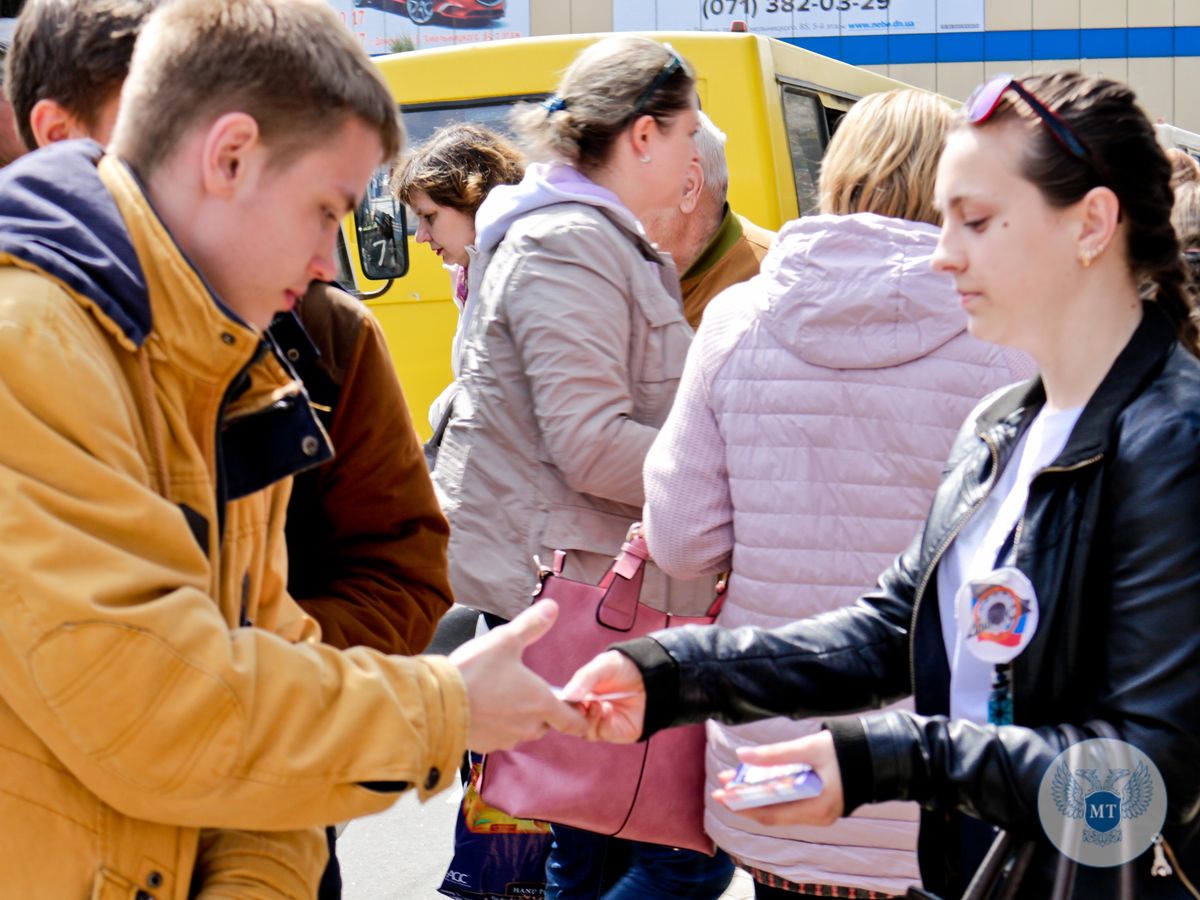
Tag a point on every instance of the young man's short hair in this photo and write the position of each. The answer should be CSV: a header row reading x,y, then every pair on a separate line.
x,y
75,52
290,64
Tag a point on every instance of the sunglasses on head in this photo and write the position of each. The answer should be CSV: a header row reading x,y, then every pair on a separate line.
x,y
985,98
670,67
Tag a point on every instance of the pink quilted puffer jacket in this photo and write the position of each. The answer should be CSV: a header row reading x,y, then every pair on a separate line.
x,y
816,409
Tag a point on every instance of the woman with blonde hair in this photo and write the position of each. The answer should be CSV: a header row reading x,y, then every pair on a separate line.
x,y
884,156
806,440
570,363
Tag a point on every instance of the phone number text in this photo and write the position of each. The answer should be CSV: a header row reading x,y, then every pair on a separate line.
x,y
751,8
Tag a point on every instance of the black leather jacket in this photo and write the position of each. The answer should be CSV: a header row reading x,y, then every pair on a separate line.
x,y
1110,539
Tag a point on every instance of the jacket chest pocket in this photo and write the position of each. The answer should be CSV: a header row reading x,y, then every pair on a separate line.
x,y
657,379
660,344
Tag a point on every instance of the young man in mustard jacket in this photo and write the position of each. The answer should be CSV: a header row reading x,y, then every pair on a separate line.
x,y
169,723
366,538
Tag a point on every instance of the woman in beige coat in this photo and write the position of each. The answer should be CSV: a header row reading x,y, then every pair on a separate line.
x,y
570,362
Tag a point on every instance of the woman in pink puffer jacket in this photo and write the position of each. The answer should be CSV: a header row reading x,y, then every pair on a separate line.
x,y
817,406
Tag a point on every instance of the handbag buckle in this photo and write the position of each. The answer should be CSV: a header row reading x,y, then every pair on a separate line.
x,y
544,571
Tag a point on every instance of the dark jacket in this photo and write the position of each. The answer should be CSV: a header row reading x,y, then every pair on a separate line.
x,y
365,537
1110,539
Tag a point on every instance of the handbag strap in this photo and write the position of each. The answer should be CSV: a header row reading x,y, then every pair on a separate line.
x,y
719,590
634,554
992,870
619,608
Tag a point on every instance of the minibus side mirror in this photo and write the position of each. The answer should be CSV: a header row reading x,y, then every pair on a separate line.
x,y
382,234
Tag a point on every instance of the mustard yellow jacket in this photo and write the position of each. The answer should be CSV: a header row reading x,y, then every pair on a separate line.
x,y
167,713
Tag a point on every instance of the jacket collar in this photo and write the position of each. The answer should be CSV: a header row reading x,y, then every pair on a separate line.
x,y
268,429
81,219
57,219
1135,366
290,337
549,184
728,233
191,325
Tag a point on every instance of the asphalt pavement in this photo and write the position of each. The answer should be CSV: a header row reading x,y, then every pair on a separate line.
x,y
402,853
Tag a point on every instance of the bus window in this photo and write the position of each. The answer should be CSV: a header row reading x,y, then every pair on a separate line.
x,y
833,118
807,134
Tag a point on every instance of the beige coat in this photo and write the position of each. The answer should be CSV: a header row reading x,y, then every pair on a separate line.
x,y
573,352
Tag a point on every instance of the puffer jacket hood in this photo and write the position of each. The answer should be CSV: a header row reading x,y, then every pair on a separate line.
x,y
544,184
56,215
858,291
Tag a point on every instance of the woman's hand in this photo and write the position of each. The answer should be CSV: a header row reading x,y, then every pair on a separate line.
x,y
816,750
619,720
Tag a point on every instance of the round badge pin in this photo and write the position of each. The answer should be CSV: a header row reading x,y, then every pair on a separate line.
x,y
997,615
1102,802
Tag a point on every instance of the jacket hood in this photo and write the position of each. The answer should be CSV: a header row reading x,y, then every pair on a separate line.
x,y
57,216
858,291
544,184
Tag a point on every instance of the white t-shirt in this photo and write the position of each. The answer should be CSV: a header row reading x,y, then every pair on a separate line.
x,y
973,553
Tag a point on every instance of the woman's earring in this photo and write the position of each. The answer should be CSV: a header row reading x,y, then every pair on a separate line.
x,y
1086,257
645,157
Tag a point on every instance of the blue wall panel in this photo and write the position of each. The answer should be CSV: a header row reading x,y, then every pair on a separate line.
x,y
974,46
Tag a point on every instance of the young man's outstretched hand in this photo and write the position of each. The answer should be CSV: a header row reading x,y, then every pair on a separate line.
x,y
508,703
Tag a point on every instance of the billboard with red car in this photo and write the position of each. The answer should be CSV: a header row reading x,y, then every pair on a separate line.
x,y
388,26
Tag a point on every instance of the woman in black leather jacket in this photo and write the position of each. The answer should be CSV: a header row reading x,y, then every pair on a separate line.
x,y
1077,493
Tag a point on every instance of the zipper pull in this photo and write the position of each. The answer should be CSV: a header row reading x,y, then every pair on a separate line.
x,y
1160,868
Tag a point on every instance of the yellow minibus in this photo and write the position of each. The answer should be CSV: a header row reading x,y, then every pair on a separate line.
x,y
777,103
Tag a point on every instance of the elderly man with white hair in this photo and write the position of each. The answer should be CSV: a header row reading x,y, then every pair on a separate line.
x,y
712,246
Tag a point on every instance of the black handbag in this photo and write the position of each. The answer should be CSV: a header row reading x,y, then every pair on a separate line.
x,y
1000,875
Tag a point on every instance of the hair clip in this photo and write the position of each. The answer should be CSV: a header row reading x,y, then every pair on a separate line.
x,y
553,104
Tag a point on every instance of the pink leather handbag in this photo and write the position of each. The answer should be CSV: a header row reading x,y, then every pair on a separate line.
x,y
649,791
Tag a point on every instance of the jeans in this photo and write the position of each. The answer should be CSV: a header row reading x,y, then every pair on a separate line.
x,y
588,866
